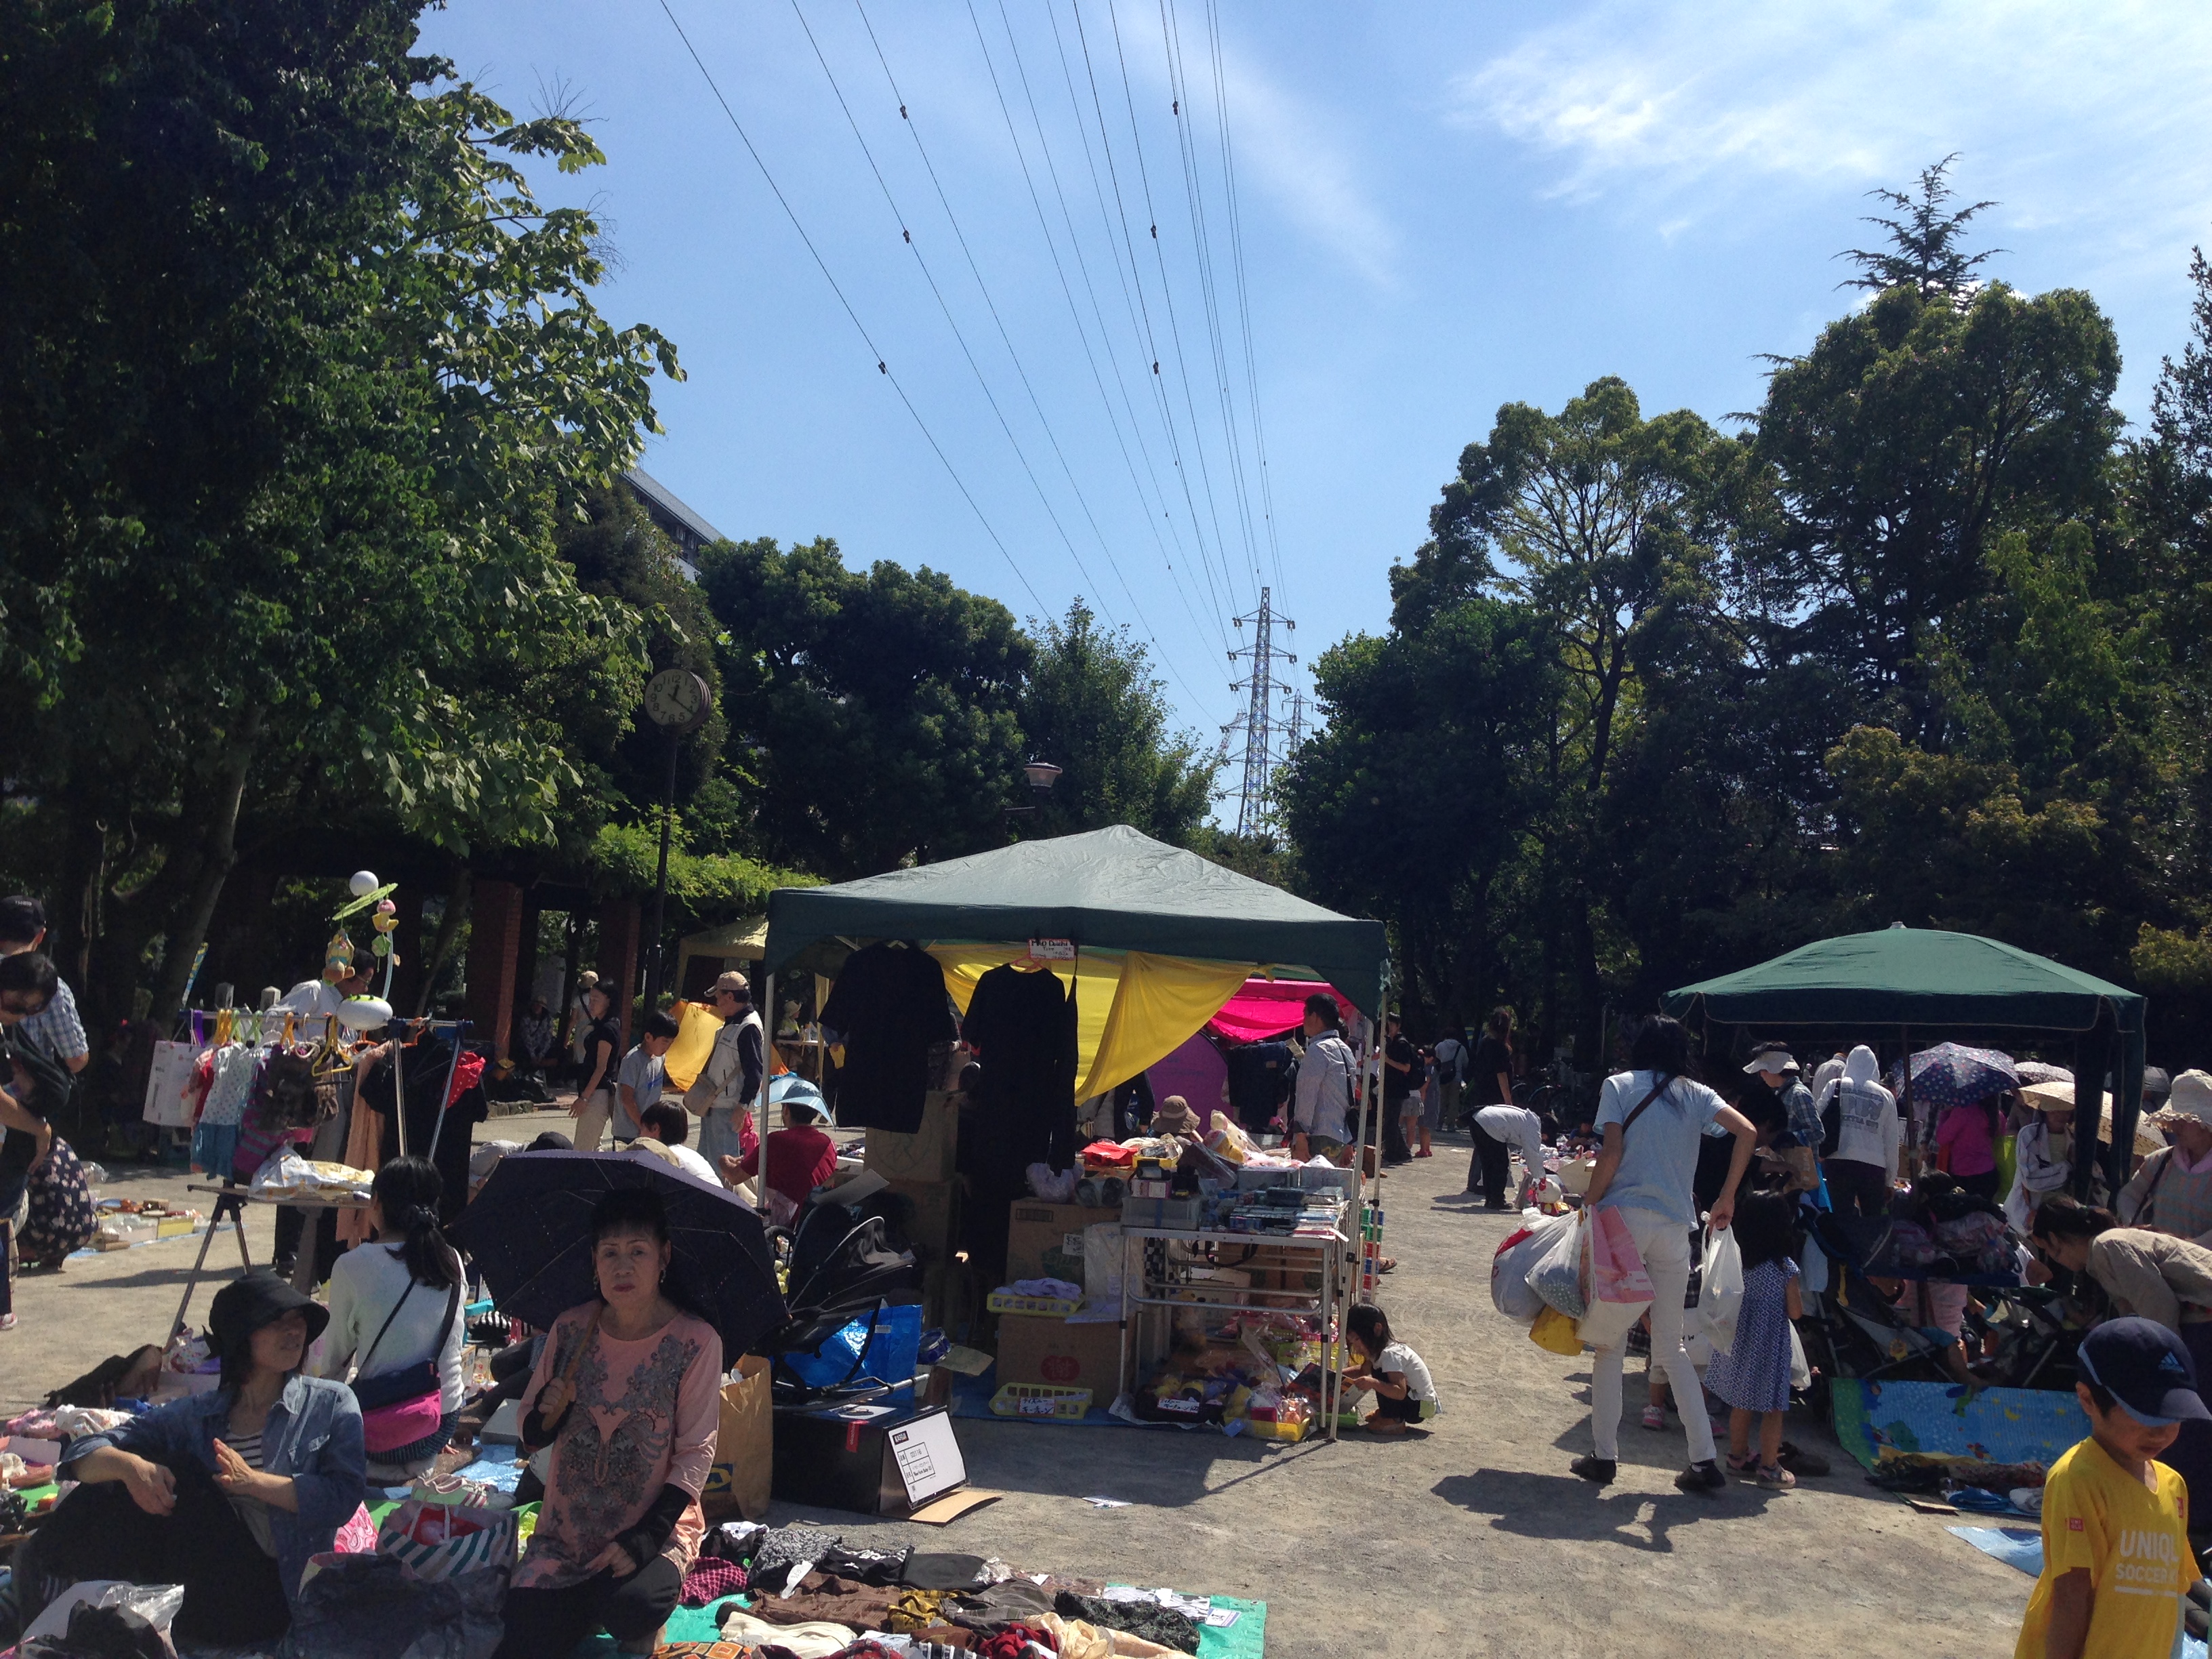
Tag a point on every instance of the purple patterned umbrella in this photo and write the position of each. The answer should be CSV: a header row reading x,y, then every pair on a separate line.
x,y
1950,1074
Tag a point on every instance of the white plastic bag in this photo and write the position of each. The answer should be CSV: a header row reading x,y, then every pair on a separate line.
x,y
1557,1275
156,1604
1800,1369
1510,1292
1812,1271
1102,1259
1720,1292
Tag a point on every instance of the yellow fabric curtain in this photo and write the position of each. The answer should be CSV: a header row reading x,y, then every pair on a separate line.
x,y
1132,1009
1161,1001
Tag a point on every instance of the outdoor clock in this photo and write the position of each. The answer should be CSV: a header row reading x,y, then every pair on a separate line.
x,y
677,699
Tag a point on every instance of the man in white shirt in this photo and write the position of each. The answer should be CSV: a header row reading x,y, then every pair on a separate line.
x,y
1321,1106
317,999
671,1127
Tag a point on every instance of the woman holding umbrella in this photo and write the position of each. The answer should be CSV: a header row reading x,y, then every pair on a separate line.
x,y
626,1392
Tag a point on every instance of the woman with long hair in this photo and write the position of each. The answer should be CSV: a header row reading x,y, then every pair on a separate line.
x,y
395,1309
626,1393
1490,1084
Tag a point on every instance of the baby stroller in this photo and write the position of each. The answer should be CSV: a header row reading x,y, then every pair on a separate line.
x,y
842,1266
1854,1330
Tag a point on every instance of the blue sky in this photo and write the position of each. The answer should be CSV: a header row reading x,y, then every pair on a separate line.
x,y
1440,210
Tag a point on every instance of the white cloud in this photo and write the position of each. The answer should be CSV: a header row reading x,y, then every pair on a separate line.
x,y
1287,151
2076,118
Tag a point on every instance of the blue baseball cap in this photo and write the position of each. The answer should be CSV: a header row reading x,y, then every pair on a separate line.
x,y
2145,1367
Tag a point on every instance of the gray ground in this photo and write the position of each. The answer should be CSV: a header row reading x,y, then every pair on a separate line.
x,y
1470,1539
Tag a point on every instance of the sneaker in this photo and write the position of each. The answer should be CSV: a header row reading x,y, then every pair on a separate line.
x,y
1702,1477
7,1322
1598,1471
1655,1417
1775,1477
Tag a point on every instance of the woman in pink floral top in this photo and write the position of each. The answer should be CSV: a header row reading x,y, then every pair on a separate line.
x,y
627,1393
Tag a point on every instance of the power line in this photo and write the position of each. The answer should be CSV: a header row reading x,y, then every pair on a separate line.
x,y
906,236
1166,292
882,364
1074,313
1139,307
914,130
1244,299
1194,194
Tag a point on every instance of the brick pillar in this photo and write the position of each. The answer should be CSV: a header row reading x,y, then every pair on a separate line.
x,y
494,942
619,927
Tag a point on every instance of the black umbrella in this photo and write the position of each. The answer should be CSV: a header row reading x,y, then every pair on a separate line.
x,y
530,1230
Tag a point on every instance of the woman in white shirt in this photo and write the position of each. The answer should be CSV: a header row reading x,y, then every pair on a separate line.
x,y
395,1303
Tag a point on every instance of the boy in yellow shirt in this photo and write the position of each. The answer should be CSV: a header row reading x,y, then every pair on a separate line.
x,y
2115,1560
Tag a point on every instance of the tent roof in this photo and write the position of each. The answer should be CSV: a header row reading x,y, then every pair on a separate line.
x,y
1911,976
1111,889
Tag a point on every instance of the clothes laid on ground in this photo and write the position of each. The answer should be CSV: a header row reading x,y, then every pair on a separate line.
x,y
644,1418
785,1547
1659,1155
1325,1089
1259,1081
1753,1375
2133,1542
866,1566
710,1580
1148,1620
1021,1025
890,1005
819,1640
370,1283
824,1596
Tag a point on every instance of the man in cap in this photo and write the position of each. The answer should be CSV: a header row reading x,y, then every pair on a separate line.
x,y
726,1086
1775,1070
2116,1557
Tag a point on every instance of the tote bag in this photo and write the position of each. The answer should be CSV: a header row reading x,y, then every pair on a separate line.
x,y
443,1540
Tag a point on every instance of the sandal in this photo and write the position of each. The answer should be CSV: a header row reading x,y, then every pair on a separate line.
x,y
1747,1464
1774,1478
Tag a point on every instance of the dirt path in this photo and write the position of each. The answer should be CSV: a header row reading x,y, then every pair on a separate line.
x,y
1471,1539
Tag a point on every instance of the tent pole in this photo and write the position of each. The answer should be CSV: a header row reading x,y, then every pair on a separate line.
x,y
2088,1115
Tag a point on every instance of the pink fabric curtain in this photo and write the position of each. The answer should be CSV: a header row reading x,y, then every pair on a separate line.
x,y
1268,1007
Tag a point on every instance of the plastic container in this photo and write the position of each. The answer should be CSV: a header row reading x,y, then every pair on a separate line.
x,y
1040,1399
1057,1307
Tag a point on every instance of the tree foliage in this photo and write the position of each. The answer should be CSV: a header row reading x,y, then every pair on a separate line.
x,y
1926,643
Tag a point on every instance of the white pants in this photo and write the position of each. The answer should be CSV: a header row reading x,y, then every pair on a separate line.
x,y
1664,1245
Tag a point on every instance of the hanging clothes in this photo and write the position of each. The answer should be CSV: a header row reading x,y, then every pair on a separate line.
x,y
1022,1028
889,1004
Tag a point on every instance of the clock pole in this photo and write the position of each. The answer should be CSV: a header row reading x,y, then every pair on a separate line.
x,y
661,878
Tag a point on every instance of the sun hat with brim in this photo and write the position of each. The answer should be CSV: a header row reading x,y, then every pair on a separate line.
x,y
2192,1098
1174,1117
1772,1061
2145,1369
245,1306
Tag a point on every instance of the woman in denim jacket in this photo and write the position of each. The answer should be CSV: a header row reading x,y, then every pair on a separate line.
x,y
226,1493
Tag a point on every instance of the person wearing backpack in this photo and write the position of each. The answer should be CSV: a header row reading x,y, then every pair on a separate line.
x,y
395,1307
1652,1117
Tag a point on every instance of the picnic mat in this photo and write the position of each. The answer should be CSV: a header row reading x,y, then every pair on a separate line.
x,y
1994,1425
1245,1636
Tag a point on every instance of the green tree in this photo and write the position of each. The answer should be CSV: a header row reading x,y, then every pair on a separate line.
x,y
310,378
1926,250
1090,706
872,715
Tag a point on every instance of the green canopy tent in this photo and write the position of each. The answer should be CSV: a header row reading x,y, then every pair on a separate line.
x,y
1109,889
1907,977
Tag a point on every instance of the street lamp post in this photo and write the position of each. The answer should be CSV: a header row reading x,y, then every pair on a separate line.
x,y
1042,775
678,702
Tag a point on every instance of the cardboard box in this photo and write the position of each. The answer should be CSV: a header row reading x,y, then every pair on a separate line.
x,y
1074,1354
1035,1230
926,1155
936,1218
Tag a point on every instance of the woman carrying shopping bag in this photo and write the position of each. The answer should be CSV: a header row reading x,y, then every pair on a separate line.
x,y
1651,1117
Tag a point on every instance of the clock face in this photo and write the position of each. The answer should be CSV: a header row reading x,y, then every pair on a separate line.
x,y
676,698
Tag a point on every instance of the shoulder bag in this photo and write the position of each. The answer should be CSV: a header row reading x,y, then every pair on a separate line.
x,y
403,1407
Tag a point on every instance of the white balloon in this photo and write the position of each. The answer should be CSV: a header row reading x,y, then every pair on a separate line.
x,y
364,1013
363,882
